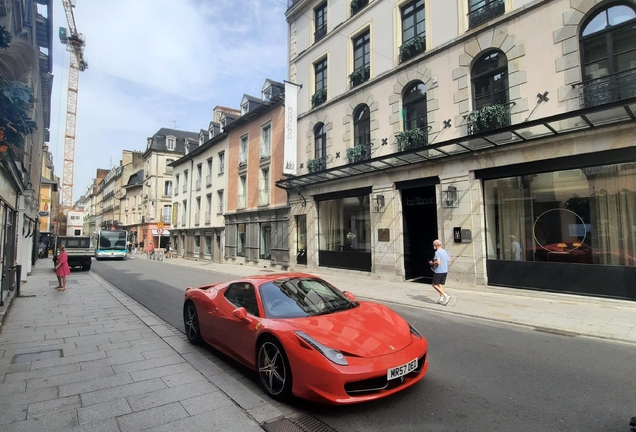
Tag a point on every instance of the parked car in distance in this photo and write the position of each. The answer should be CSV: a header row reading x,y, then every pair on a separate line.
x,y
306,338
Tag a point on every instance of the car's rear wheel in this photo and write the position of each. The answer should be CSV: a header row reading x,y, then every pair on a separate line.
x,y
273,369
191,323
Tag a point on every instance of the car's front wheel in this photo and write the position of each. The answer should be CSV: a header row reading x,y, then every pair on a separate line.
x,y
274,370
191,323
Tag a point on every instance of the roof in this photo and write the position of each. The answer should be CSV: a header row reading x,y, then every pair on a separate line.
x,y
136,179
158,140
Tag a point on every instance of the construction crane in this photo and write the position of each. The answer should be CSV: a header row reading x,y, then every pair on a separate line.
x,y
75,43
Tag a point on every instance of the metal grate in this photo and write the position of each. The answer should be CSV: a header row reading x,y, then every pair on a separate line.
x,y
556,332
303,423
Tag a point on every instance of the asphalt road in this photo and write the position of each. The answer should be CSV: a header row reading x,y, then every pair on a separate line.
x,y
483,376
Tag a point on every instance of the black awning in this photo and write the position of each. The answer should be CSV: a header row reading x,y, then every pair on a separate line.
x,y
607,115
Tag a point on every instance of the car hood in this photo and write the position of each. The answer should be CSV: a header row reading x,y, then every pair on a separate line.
x,y
369,330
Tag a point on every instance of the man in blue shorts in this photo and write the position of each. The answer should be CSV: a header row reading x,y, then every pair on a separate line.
x,y
439,265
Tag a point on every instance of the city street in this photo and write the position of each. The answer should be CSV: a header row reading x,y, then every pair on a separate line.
x,y
483,375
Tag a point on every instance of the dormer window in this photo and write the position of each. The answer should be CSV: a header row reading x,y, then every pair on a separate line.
x,y
171,143
267,94
149,143
245,108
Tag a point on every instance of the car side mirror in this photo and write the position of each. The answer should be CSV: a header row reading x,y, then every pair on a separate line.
x,y
349,295
240,313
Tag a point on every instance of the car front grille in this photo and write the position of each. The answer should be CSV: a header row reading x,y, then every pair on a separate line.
x,y
380,384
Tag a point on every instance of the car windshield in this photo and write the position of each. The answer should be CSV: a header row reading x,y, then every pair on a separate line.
x,y
301,297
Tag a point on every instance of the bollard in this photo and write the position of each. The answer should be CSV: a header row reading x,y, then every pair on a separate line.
x,y
18,276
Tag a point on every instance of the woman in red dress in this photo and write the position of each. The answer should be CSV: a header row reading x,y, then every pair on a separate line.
x,y
62,269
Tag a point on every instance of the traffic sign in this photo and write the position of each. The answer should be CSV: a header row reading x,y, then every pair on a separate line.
x,y
160,224
159,230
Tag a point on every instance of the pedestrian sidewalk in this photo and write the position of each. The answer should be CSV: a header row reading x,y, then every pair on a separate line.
x,y
551,312
92,359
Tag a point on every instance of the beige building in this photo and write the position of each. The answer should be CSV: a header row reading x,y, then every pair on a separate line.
x,y
199,197
505,128
163,148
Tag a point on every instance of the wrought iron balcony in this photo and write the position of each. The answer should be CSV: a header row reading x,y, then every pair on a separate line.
x,y
265,149
198,185
207,218
320,33
484,11
196,219
610,88
185,188
208,180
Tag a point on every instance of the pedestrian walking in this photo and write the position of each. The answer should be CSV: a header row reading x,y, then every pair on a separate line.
x,y
439,265
150,249
61,268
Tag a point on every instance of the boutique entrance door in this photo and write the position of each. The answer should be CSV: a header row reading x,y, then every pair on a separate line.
x,y
419,215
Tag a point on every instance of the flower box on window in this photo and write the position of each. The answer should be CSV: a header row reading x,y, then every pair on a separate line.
x,y
356,5
488,118
315,165
412,47
410,139
359,75
357,153
319,97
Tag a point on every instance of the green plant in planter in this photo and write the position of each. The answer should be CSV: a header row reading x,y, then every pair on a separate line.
x,y
356,5
314,165
319,97
487,118
411,48
410,139
359,75
355,153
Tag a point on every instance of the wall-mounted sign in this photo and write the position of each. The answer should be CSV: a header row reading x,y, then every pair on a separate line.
x,y
384,235
462,235
43,213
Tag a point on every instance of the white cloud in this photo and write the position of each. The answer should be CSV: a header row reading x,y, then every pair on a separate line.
x,y
152,62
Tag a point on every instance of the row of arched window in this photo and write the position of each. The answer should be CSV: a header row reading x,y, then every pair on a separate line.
x,y
608,53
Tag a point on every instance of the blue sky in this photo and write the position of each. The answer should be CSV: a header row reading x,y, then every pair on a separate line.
x,y
156,62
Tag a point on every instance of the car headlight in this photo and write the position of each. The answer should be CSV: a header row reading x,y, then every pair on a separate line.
x,y
415,332
331,354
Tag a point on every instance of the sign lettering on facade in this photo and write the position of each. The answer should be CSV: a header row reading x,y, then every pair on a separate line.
x,y
291,114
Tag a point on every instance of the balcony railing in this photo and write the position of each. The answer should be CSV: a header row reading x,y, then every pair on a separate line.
x,y
265,149
610,88
242,158
166,218
176,190
263,197
198,185
317,164
240,203
489,118
483,11
208,219
320,33
221,168
183,219
196,219
208,180
359,75
185,188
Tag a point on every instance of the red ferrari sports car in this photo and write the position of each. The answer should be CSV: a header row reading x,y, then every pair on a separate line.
x,y
305,337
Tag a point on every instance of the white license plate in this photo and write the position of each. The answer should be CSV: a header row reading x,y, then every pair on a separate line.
x,y
400,371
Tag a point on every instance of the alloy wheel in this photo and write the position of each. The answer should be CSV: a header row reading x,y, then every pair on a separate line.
x,y
272,368
191,323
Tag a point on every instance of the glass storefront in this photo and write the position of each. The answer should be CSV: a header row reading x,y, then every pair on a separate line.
x,y
344,232
344,224
578,216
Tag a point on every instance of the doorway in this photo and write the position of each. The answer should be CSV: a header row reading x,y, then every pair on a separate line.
x,y
419,211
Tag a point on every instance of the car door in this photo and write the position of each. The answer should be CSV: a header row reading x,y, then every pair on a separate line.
x,y
239,335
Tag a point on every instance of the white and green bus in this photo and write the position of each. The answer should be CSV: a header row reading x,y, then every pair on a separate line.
x,y
111,244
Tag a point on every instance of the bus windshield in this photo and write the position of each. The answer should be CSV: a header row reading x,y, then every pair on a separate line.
x,y
112,240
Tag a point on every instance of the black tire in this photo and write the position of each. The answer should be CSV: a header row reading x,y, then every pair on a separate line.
x,y
191,323
273,369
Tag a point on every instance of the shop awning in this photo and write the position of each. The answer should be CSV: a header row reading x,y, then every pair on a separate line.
x,y
164,233
582,120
